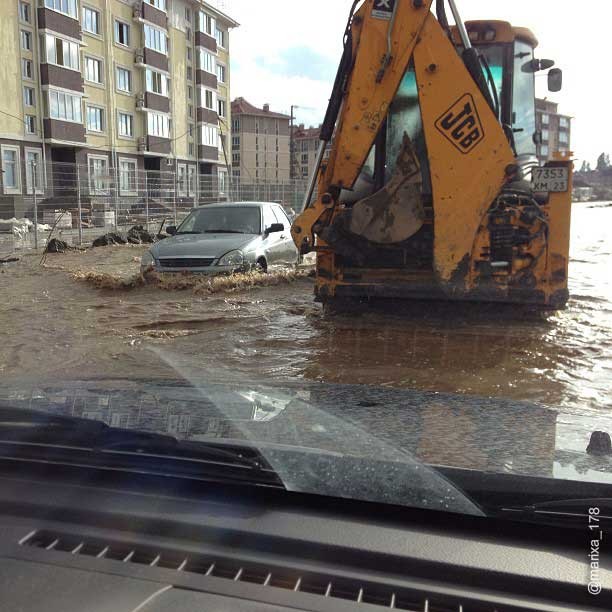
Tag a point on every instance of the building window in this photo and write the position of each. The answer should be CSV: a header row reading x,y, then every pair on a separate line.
x,y
159,4
191,180
188,34
25,12
187,14
128,177
236,125
189,73
124,79
158,125
156,39
545,135
29,98
34,170
210,136
26,40
191,130
65,107
222,108
11,171
221,36
95,119
221,73
126,125
563,122
27,69
207,24
91,20
544,151
62,52
207,99
235,158
207,62
222,181
563,138
98,174
189,92
304,158
235,142
68,7
236,173
30,124
157,83
191,149
122,33
93,70
189,56
181,180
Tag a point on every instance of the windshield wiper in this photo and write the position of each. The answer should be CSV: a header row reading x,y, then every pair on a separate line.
x,y
573,511
32,435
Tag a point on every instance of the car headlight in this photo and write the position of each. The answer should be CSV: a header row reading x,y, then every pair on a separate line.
x,y
147,261
233,258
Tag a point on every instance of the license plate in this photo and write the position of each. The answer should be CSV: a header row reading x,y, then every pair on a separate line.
x,y
551,180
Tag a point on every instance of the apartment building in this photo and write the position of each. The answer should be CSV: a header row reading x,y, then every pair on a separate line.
x,y
556,129
305,144
115,87
260,143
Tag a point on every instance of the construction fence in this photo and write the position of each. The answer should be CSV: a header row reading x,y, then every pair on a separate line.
x,y
82,202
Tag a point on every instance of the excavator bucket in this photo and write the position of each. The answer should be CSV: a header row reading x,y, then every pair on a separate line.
x,y
395,213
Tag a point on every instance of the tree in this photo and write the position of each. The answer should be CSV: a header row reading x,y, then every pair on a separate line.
x,y
586,167
603,162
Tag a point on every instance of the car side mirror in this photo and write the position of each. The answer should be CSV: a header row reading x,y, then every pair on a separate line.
x,y
555,80
171,230
275,228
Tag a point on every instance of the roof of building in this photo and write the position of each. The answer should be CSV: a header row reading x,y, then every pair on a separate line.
x,y
301,132
240,106
211,5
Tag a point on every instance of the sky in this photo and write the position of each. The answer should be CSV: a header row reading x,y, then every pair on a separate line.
x,y
286,52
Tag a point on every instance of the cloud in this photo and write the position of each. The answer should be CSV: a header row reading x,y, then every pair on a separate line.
x,y
299,61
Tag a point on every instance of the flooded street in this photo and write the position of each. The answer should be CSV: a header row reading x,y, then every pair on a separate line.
x,y
58,327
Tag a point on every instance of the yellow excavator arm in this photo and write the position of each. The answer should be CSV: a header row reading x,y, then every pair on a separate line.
x,y
469,155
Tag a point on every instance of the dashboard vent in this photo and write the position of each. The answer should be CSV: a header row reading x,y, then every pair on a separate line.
x,y
383,596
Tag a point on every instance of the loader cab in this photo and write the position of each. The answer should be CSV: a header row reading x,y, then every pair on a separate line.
x,y
509,53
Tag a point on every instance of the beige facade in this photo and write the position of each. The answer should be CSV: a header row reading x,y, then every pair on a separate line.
x,y
305,143
260,143
554,128
112,86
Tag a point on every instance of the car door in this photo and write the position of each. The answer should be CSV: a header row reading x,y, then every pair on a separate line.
x,y
287,249
271,242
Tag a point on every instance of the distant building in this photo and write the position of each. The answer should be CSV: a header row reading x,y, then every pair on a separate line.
x,y
260,143
555,129
305,146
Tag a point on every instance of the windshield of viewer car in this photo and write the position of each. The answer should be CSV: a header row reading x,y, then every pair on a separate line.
x,y
242,220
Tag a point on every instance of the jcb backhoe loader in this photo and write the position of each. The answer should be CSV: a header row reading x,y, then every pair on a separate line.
x,y
428,182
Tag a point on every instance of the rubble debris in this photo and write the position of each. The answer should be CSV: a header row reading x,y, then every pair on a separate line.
x,y
57,246
8,260
139,235
600,444
109,239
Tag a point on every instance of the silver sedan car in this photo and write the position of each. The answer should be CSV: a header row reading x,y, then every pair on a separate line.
x,y
224,238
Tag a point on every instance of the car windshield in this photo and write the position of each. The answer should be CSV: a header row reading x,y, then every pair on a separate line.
x,y
325,247
227,219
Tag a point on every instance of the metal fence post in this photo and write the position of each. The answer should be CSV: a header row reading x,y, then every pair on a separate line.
x,y
35,205
116,185
80,210
146,189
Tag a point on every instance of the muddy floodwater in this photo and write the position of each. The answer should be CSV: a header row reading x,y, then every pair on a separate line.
x,y
60,326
